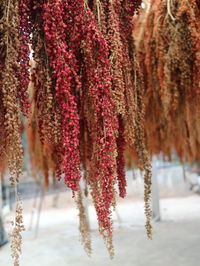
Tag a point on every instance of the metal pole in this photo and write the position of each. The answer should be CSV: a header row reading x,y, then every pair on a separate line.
x,y
3,239
155,195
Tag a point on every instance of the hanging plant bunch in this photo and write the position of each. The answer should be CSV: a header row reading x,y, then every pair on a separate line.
x,y
87,99
44,127
169,58
2,108
14,80
115,21
83,95
9,88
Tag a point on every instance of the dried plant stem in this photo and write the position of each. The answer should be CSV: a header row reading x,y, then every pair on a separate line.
x,y
18,228
83,224
169,10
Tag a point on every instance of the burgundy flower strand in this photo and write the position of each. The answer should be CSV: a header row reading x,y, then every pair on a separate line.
x,y
47,115
25,29
137,139
60,59
121,160
74,21
103,124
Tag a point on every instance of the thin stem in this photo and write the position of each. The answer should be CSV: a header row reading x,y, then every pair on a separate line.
x,y
169,10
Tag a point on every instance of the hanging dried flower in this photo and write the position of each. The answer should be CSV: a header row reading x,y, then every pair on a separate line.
x,y
25,28
59,60
168,53
16,233
87,98
83,224
121,175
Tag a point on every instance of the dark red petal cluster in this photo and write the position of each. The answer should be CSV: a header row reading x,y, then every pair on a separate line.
x,y
60,62
88,98
102,123
121,160
25,28
85,101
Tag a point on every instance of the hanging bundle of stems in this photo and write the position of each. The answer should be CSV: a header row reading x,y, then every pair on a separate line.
x,y
168,53
14,84
83,95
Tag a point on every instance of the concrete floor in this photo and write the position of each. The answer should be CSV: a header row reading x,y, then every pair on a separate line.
x,y
176,239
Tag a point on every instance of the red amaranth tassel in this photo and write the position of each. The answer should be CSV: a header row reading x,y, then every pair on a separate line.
x,y
61,62
25,28
102,122
121,160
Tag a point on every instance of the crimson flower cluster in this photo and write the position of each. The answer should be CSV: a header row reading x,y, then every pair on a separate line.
x,y
103,123
60,62
121,145
25,28
84,98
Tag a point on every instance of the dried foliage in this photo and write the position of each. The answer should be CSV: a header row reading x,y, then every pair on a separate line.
x,y
82,94
13,86
168,52
83,223
16,236
86,100
9,81
91,104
